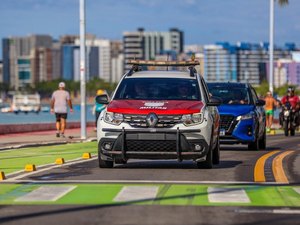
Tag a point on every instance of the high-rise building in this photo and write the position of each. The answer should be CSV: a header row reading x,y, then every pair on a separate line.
x,y
98,58
147,45
1,72
286,71
220,62
42,66
56,61
17,61
250,58
69,61
117,61
5,62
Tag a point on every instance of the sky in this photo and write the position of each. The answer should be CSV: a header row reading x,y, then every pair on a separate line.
x,y
203,21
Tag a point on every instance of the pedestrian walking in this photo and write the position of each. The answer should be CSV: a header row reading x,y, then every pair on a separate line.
x,y
59,105
270,106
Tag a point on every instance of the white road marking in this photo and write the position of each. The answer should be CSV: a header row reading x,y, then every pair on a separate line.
x,y
297,190
46,193
227,195
270,211
136,193
131,181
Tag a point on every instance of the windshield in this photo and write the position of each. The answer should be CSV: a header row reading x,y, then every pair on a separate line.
x,y
158,89
237,95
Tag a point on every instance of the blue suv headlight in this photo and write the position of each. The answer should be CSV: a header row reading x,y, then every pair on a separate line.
x,y
246,116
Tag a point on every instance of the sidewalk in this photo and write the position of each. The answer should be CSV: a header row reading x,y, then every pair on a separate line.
x,y
38,138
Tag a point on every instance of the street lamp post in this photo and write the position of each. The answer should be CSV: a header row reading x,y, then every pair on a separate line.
x,y
271,45
82,69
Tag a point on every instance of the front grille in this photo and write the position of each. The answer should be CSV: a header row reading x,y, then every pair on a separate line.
x,y
226,121
164,121
151,146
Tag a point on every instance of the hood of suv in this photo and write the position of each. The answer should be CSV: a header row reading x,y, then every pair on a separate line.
x,y
158,107
235,110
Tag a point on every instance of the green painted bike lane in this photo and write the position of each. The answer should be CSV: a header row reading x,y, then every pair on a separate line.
x,y
92,193
168,194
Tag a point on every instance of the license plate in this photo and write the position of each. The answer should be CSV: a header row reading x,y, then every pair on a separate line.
x,y
222,132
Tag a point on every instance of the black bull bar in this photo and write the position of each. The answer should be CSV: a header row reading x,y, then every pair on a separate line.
x,y
123,132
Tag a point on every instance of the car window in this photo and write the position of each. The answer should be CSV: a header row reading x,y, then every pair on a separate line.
x,y
254,95
158,89
236,95
207,97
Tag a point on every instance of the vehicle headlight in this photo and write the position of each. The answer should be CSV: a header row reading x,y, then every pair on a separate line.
x,y
192,119
286,113
113,118
246,116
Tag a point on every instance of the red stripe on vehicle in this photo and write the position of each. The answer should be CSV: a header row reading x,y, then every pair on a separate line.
x,y
158,107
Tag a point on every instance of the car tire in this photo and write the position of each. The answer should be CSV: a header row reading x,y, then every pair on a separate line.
x,y
286,128
263,142
208,163
105,163
292,131
216,153
255,144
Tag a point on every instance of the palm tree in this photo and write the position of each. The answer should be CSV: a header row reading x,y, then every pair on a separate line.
x,y
271,46
283,2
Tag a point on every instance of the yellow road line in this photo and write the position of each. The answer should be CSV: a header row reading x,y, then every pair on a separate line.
x,y
278,169
259,169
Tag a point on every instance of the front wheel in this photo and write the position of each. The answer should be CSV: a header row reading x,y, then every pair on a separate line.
x,y
208,163
292,131
286,127
262,142
255,144
216,153
104,163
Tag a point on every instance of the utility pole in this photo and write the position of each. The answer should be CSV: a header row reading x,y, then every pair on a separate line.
x,y
82,70
271,46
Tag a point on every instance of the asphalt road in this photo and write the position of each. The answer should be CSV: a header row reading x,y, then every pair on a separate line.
x,y
237,167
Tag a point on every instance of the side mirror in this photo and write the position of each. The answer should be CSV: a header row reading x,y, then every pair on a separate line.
x,y
260,102
214,101
102,99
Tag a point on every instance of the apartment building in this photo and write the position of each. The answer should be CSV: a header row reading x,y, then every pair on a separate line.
x,y
147,45
18,58
220,63
251,58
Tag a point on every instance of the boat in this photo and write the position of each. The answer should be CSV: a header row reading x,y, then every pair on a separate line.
x,y
26,103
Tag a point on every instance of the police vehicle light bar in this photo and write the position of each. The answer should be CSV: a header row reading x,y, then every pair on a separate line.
x,y
162,63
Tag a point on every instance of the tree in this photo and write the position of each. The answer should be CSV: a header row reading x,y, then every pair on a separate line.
x,y
283,2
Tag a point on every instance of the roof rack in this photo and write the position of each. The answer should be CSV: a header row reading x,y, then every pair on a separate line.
x,y
162,63
136,65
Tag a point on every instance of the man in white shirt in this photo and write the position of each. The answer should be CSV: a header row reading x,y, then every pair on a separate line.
x,y
59,105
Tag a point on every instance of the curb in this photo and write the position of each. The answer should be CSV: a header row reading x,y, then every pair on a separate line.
x,y
28,145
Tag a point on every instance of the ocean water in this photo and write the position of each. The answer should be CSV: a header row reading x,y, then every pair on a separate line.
x,y
45,117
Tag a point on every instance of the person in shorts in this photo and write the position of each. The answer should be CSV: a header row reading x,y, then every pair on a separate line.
x,y
270,105
59,105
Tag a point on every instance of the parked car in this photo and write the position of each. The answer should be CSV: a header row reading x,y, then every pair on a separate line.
x,y
242,114
163,114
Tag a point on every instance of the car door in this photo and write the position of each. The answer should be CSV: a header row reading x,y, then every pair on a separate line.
x,y
260,112
213,109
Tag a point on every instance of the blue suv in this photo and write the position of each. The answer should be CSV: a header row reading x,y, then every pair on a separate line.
x,y
242,114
